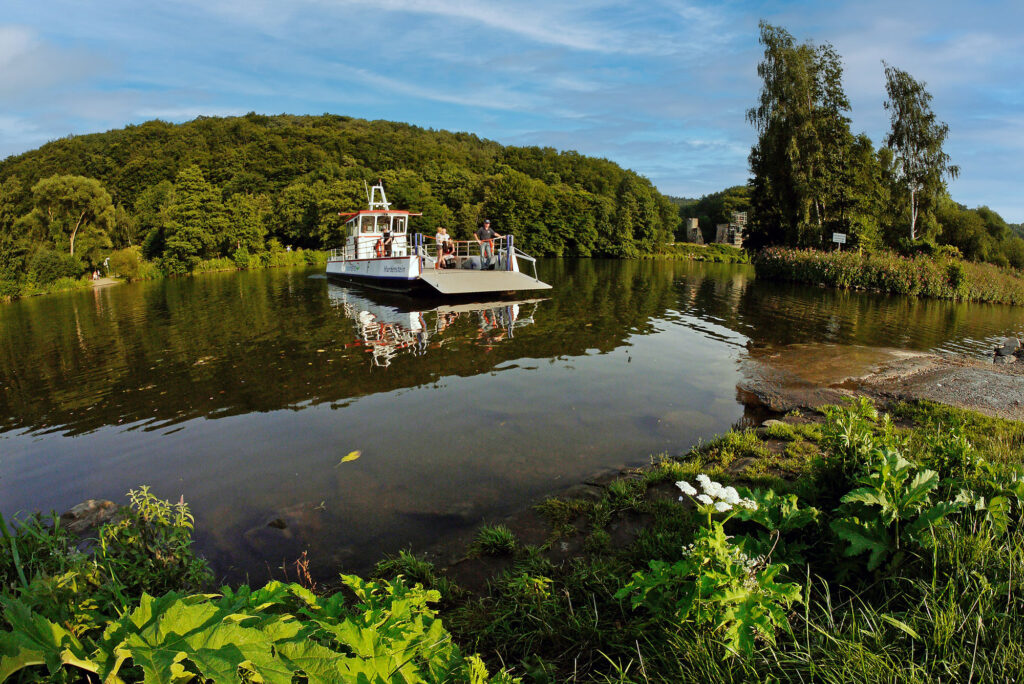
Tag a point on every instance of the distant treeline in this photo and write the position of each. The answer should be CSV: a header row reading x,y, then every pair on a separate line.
x,y
245,186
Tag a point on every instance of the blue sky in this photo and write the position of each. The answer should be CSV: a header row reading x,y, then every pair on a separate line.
x,y
659,86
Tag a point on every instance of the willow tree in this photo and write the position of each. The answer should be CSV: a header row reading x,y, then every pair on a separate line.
x,y
803,144
916,140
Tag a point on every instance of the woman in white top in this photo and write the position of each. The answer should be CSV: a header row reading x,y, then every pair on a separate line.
x,y
442,238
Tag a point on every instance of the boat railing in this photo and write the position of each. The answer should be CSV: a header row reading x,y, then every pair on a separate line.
x,y
462,250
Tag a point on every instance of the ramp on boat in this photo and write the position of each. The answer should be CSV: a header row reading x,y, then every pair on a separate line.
x,y
456,281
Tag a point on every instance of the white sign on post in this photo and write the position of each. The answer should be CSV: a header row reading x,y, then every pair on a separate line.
x,y
839,238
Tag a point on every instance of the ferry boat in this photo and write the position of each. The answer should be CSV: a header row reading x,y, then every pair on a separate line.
x,y
380,252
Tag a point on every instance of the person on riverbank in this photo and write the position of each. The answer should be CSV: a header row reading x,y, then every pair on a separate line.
x,y
485,235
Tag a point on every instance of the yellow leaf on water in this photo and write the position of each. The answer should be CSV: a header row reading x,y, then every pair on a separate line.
x,y
352,455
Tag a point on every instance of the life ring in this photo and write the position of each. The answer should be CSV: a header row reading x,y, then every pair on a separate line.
x,y
378,248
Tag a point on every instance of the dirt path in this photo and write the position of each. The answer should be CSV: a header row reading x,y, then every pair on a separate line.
x,y
105,282
809,375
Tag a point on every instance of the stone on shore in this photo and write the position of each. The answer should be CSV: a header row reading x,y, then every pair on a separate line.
x,y
1010,346
1004,359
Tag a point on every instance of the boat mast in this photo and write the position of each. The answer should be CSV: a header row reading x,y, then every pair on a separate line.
x,y
381,203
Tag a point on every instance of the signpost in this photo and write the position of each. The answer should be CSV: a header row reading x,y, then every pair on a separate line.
x,y
839,239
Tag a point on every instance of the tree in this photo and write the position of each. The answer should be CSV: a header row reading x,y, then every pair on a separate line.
x,y
194,218
916,140
68,207
804,142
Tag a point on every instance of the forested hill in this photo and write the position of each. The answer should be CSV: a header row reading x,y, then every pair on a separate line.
x,y
250,180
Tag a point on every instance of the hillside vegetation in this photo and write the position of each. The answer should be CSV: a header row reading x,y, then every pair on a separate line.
x,y
245,186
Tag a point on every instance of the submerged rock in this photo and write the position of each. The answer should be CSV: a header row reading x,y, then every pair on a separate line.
x,y
88,515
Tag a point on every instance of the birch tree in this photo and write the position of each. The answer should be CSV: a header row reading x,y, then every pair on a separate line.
x,y
916,139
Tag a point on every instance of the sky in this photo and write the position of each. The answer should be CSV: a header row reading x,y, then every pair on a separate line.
x,y
658,86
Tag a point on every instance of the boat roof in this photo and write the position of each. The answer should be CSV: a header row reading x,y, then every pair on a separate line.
x,y
371,212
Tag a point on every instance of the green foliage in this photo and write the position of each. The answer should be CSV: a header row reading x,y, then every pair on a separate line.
x,y
892,512
272,634
494,540
916,139
46,265
72,209
888,272
128,263
718,586
211,187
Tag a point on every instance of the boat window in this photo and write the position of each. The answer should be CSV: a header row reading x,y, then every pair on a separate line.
x,y
368,226
400,224
382,222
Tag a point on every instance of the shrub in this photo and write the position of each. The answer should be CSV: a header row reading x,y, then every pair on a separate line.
x,y
924,275
47,265
128,263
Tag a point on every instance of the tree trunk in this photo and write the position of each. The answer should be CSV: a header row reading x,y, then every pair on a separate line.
x,y
74,231
913,215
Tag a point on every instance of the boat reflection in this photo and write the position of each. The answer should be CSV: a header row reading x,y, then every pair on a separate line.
x,y
386,327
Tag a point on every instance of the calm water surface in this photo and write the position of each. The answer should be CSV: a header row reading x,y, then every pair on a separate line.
x,y
243,391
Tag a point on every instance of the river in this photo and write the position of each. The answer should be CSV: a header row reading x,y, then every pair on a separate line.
x,y
242,392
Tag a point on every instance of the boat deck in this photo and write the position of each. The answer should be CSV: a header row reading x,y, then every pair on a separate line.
x,y
465,281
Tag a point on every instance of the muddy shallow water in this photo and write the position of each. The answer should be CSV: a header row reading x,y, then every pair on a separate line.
x,y
243,391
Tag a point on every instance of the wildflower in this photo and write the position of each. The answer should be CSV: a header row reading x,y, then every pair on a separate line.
x,y
730,495
749,504
722,506
705,499
686,488
704,481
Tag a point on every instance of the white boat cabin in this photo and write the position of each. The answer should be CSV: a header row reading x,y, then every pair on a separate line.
x,y
366,229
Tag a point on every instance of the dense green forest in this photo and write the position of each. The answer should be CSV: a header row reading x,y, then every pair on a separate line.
x,y
812,176
244,186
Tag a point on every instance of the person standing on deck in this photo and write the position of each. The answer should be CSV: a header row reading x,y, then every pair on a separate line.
x,y
443,241
485,236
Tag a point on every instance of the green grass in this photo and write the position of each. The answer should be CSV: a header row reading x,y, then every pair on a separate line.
x,y
494,540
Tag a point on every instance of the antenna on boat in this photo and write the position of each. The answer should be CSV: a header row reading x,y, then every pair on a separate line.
x,y
366,188
382,203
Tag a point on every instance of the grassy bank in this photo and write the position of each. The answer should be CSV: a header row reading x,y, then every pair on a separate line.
x,y
840,546
938,277
716,253
129,265
11,290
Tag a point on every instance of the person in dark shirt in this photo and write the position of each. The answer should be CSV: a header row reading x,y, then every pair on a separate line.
x,y
485,235
386,240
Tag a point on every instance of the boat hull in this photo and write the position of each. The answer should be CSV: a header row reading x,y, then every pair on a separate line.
x,y
386,273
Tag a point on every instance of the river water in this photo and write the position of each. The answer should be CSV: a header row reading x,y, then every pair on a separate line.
x,y
242,392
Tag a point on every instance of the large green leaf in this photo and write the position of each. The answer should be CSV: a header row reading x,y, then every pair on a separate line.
x,y
37,641
868,536
923,483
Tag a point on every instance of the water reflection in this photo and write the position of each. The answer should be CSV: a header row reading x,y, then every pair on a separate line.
x,y
386,325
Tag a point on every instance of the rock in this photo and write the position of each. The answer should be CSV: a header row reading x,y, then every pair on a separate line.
x,y
88,515
1004,359
278,524
583,491
1009,347
740,464
772,422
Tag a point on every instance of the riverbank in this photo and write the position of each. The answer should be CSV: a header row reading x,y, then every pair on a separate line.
x,y
133,268
923,276
882,547
714,253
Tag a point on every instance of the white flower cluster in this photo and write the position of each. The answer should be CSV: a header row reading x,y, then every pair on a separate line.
x,y
714,494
